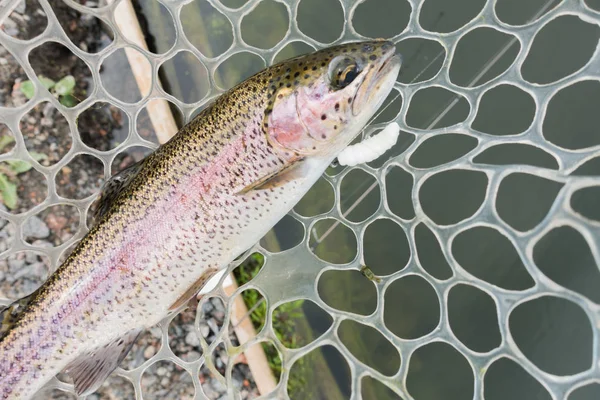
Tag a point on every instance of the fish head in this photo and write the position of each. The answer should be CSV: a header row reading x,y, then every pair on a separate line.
x,y
319,102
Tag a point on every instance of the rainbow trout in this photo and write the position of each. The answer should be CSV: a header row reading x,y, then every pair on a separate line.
x,y
165,225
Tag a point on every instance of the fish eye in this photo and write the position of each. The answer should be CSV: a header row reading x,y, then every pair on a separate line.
x,y
343,72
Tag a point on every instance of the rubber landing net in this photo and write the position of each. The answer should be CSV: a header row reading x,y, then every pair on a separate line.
x,y
497,159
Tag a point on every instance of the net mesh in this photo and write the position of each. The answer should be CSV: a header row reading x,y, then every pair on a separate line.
x,y
463,199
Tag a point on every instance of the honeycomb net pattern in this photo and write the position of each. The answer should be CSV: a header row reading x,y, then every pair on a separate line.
x,y
295,273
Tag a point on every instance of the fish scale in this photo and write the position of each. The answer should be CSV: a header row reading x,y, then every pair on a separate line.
x,y
190,208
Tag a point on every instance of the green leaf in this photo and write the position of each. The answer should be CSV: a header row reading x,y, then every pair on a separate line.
x,y
259,258
37,156
18,166
8,190
68,101
27,88
46,82
65,85
5,141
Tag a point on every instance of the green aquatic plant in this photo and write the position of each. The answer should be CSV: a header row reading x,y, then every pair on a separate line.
x,y
9,172
62,90
5,140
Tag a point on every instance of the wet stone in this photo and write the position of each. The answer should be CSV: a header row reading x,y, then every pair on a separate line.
x,y
30,271
191,339
149,352
204,329
34,227
16,263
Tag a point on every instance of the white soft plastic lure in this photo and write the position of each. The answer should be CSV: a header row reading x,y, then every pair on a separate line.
x,y
371,148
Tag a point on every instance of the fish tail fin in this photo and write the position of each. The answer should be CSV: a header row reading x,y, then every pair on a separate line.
x,y
89,370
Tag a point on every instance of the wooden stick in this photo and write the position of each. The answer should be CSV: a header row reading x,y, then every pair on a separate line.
x,y
158,109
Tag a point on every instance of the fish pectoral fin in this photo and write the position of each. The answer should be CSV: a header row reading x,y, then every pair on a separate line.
x,y
89,370
193,290
112,187
287,174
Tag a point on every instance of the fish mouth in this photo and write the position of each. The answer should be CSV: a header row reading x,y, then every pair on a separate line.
x,y
377,84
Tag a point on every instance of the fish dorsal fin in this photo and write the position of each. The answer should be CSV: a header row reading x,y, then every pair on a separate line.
x,y
112,187
10,314
89,370
287,174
